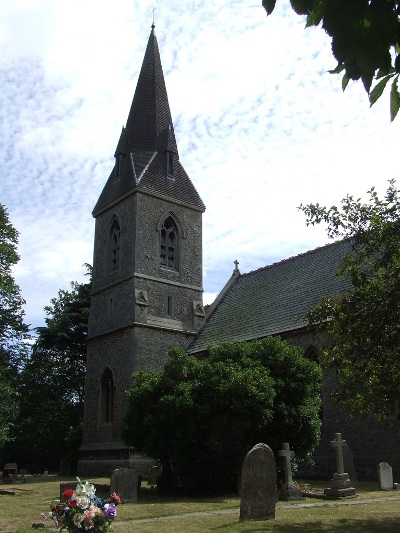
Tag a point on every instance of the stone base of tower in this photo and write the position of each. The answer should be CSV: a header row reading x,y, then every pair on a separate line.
x,y
101,459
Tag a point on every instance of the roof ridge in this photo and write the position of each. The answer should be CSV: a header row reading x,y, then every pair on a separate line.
x,y
293,258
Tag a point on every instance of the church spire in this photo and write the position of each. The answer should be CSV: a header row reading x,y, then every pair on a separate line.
x,y
146,156
149,123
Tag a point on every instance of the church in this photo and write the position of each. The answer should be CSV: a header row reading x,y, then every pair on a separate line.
x,y
147,292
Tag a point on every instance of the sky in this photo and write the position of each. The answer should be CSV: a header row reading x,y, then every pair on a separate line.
x,y
261,127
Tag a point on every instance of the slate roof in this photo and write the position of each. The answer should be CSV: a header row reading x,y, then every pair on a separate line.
x,y
273,300
148,134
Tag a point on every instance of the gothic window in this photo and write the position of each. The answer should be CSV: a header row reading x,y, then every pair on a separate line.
x,y
107,396
169,244
115,233
312,354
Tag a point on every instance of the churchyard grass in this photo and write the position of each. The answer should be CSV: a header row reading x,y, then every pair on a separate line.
x,y
18,512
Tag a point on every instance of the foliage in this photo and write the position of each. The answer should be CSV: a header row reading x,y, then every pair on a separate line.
x,y
364,322
199,417
13,330
365,40
52,383
83,510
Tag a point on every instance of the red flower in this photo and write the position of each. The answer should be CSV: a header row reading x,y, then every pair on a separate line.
x,y
115,499
71,503
68,493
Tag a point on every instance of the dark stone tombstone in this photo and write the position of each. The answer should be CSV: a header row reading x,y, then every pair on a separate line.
x,y
124,482
258,487
10,472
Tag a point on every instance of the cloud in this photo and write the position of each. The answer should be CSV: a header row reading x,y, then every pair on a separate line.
x,y
261,127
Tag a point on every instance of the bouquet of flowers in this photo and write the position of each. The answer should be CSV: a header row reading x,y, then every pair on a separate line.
x,y
84,511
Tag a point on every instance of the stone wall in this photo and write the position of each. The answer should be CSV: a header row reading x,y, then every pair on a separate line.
x,y
368,441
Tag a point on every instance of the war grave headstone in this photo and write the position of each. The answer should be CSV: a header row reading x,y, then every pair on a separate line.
x,y
385,476
258,486
124,482
340,483
290,491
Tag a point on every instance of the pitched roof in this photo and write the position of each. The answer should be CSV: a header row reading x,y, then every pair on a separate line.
x,y
144,141
274,299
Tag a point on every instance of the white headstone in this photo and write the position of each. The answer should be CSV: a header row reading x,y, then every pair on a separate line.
x,y
385,475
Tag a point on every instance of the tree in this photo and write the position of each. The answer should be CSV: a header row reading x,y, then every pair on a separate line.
x,y
52,382
13,330
365,40
364,321
199,417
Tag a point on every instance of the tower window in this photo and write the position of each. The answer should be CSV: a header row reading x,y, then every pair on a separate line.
x,y
107,396
169,243
115,233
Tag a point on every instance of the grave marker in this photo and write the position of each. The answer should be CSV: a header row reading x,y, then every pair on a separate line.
x,y
258,487
385,475
290,490
124,482
340,483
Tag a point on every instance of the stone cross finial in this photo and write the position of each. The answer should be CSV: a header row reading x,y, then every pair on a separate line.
x,y
236,265
339,444
287,455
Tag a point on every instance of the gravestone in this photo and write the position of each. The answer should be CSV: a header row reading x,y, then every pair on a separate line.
x,y
290,490
155,473
258,487
340,483
10,472
385,476
124,482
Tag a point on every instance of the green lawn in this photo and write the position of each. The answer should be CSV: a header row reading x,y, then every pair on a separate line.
x,y
154,514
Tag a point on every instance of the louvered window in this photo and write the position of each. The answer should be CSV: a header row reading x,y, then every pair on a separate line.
x,y
169,243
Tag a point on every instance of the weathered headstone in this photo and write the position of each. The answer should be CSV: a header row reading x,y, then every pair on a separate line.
x,y
340,483
258,487
155,473
124,482
290,491
385,475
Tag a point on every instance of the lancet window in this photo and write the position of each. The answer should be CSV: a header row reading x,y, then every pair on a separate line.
x,y
115,235
169,243
107,396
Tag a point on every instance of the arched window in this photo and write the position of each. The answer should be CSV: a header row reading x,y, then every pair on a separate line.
x,y
114,243
312,353
107,396
169,243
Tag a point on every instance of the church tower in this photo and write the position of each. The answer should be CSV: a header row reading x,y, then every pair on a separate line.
x,y
147,267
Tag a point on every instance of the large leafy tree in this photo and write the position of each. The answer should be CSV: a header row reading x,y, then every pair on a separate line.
x,y
199,417
365,40
52,382
13,330
364,321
